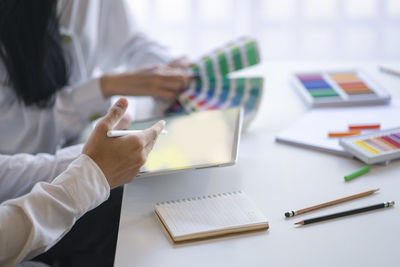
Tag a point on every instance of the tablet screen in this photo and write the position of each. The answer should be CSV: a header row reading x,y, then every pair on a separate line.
x,y
198,140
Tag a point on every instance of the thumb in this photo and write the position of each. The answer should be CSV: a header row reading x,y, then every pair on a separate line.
x,y
115,113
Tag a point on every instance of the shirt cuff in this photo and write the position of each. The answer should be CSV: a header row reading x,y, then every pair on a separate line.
x,y
88,187
89,95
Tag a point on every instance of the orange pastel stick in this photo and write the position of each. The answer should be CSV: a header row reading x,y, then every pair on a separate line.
x,y
343,134
364,126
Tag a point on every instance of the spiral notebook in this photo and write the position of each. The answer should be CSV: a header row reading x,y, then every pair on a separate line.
x,y
209,216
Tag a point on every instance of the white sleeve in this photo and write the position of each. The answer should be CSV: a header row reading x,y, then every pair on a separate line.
x,y
33,223
20,172
121,42
76,106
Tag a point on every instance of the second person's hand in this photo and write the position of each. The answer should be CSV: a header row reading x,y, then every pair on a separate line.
x,y
163,82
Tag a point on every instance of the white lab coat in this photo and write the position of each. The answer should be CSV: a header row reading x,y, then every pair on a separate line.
x,y
101,38
31,224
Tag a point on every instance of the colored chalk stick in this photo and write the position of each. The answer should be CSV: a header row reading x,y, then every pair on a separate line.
x,y
395,138
342,134
379,143
366,147
364,126
316,77
383,139
391,141
353,86
355,90
316,84
360,93
323,93
344,76
357,173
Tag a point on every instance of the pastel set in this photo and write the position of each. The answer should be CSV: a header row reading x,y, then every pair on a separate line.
x,y
343,88
373,148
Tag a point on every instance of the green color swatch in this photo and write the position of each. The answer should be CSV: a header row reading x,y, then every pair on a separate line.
x,y
209,67
237,59
223,63
251,53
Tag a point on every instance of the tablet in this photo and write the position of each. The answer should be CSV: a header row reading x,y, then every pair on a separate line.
x,y
195,141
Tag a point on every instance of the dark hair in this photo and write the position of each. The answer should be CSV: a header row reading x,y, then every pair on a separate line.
x,y
30,47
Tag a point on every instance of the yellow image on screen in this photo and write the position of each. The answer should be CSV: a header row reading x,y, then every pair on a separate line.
x,y
201,139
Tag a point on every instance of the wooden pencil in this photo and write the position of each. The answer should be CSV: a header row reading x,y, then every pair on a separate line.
x,y
330,203
346,213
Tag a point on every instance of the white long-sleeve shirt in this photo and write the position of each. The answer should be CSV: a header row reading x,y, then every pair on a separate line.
x,y
27,231
20,172
101,38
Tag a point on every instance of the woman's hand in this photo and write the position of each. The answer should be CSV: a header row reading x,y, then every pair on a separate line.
x,y
120,158
181,62
163,82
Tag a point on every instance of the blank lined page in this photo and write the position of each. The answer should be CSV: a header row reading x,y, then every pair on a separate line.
x,y
209,213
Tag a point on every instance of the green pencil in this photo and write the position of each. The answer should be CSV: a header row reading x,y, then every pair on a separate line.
x,y
357,173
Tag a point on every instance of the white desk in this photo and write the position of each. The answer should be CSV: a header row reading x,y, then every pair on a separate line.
x,y
278,178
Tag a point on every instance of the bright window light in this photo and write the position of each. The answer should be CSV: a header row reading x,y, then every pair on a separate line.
x,y
361,9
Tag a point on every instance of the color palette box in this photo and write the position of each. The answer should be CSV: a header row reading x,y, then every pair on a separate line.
x,y
339,88
377,147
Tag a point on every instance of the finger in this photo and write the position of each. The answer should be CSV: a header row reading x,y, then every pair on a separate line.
x,y
150,134
175,81
175,63
182,62
174,86
168,74
164,94
115,113
123,123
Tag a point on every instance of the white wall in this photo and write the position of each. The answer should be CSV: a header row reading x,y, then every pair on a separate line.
x,y
286,29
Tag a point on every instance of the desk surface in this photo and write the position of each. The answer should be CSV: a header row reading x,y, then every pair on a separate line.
x,y
278,178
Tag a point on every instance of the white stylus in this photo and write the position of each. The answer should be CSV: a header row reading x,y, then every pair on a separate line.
x,y
117,133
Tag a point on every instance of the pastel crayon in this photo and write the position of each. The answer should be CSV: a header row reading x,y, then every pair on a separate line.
x,y
379,143
391,141
343,134
364,126
366,147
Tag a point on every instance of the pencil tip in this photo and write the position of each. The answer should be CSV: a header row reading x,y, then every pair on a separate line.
x,y
376,189
300,223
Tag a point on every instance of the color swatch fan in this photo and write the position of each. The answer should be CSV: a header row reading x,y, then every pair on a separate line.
x,y
224,93
213,89
234,56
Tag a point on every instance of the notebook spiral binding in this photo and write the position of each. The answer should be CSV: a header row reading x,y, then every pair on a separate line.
x,y
197,198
